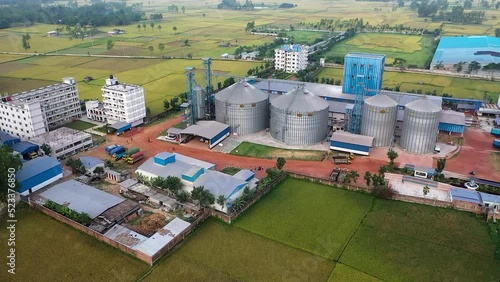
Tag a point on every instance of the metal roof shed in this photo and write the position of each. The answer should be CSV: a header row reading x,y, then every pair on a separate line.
x,y
38,173
465,195
352,143
121,126
211,130
7,139
25,147
451,121
161,238
81,198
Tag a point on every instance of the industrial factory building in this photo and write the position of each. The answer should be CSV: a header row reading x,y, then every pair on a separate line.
x,y
123,102
244,107
65,142
379,119
363,73
38,173
299,117
451,121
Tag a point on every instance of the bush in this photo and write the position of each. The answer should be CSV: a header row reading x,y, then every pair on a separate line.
x,y
81,218
383,192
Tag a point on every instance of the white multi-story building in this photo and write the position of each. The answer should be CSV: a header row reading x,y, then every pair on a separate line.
x,y
35,112
291,58
64,142
123,102
95,111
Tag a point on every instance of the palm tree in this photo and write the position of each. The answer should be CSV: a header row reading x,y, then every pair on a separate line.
x,y
151,49
221,200
159,27
139,27
238,204
175,29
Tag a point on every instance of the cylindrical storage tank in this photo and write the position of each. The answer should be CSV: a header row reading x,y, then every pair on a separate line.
x,y
420,126
379,118
299,117
200,102
244,107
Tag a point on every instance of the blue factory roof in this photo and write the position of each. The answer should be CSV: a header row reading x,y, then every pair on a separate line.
x,y
365,55
36,166
483,49
90,162
8,139
489,198
465,195
292,48
25,147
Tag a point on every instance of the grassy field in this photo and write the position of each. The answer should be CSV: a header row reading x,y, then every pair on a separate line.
x,y
221,252
306,215
79,125
344,273
262,151
414,49
456,86
47,250
161,79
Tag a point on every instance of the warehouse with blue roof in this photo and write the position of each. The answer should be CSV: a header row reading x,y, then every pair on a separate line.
x,y
452,50
195,173
7,139
38,173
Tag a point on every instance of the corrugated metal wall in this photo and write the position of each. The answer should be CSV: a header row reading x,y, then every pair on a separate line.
x,y
371,68
40,178
451,127
243,118
379,123
419,131
295,128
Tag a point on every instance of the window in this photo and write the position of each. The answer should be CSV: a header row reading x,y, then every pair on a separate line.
x,y
354,65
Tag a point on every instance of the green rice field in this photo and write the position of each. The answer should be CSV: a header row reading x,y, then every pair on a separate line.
x,y
48,250
414,49
456,86
300,231
162,79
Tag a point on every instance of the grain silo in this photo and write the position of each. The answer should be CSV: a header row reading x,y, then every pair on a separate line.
x,y
420,126
379,118
299,117
200,101
244,107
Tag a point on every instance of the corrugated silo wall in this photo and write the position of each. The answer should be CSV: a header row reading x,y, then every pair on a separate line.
x,y
379,123
248,118
220,111
200,103
296,128
419,131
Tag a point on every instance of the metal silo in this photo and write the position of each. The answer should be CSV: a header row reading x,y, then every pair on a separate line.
x,y
420,126
200,101
243,107
299,117
379,118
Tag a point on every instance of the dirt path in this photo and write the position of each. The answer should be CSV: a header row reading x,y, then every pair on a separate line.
x,y
200,151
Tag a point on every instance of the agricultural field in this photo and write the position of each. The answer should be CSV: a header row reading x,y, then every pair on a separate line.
x,y
414,49
221,252
162,79
456,86
305,215
262,151
62,253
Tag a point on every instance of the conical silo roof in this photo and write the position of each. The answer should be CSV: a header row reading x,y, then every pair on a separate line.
x,y
381,100
299,100
423,105
241,93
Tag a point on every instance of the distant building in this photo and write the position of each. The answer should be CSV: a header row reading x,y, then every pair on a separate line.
x,y
291,58
52,33
31,113
116,31
452,50
65,142
91,163
250,55
123,102
95,111
363,72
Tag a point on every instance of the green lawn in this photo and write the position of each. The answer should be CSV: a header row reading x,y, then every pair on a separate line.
x,y
414,49
79,125
231,170
221,252
456,86
308,216
262,151
47,250
400,241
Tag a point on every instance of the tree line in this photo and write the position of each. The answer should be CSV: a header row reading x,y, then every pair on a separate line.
x,y
438,11
235,5
98,14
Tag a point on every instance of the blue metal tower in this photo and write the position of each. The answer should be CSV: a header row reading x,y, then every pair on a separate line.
x,y
190,114
355,125
209,89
